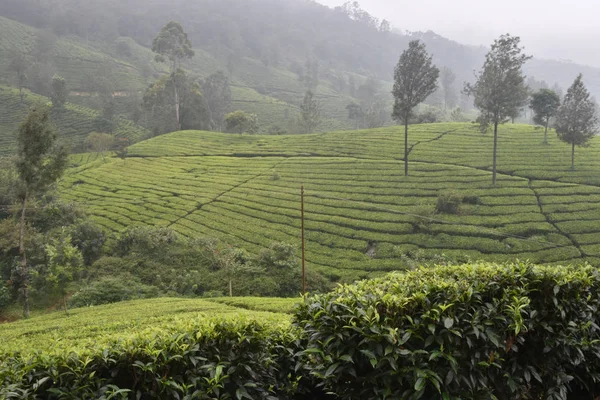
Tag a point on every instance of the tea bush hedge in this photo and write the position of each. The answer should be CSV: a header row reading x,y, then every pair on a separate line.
x,y
148,349
479,331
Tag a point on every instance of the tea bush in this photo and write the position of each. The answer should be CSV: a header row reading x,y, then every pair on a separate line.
x,y
159,348
448,203
113,289
478,331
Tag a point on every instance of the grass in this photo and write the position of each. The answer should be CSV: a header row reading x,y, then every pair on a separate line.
x,y
357,198
88,330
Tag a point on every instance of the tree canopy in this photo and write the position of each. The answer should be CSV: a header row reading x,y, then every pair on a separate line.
x,y
500,92
545,104
577,119
415,78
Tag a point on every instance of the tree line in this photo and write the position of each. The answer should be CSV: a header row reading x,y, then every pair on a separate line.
x,y
500,94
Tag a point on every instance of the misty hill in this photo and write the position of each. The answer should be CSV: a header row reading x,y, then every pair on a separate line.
x,y
271,50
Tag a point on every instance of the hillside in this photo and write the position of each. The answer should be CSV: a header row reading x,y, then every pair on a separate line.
x,y
73,123
267,56
363,215
273,93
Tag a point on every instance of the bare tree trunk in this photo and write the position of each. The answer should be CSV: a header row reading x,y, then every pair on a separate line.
x,y
65,304
573,156
230,287
546,131
406,146
495,152
24,272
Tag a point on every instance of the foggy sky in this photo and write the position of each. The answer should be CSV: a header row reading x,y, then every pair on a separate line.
x,y
555,29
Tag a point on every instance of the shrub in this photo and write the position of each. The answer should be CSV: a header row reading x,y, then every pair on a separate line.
x,y
448,203
207,360
473,331
111,290
475,200
146,240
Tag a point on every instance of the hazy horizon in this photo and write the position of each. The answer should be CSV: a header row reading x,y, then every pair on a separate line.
x,y
558,31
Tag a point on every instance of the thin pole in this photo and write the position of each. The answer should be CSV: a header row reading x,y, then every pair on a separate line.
x,y
303,258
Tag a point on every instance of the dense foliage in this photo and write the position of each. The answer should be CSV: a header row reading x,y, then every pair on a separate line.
x,y
143,350
513,331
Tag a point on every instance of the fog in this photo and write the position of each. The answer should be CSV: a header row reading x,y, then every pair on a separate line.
x,y
556,29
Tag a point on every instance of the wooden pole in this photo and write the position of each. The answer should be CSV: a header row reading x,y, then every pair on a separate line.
x,y
303,257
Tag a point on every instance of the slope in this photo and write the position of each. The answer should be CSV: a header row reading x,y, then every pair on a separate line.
x,y
363,215
272,92
73,124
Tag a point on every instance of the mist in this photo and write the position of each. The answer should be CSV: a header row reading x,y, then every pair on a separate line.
x,y
553,30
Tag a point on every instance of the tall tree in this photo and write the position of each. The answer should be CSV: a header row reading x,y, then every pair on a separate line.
x,y
310,114
415,78
577,119
217,92
41,161
19,64
500,92
173,44
60,92
355,113
545,104
447,79
64,263
159,103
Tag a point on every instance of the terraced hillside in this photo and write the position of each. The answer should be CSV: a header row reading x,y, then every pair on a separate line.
x,y
363,215
74,123
273,93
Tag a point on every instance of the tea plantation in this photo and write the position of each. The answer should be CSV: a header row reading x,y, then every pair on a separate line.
x,y
474,331
74,123
362,215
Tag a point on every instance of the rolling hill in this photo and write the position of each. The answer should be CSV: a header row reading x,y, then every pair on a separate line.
x,y
363,216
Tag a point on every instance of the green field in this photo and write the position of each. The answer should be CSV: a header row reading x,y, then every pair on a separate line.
x,y
92,329
246,189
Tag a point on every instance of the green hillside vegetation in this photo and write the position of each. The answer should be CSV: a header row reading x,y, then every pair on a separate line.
x,y
88,330
505,331
273,93
74,123
363,215
72,58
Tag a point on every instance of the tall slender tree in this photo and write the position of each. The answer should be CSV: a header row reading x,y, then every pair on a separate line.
x,y
217,92
500,92
415,78
545,104
447,79
310,114
577,119
172,44
19,63
41,161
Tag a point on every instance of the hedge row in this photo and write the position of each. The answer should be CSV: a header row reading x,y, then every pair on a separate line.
x,y
479,331
472,332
